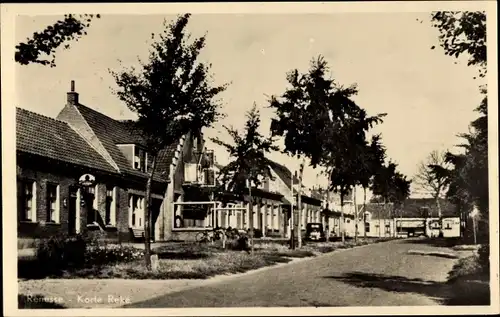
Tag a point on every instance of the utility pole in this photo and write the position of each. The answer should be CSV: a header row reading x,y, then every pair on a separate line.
x,y
355,214
292,235
299,207
250,206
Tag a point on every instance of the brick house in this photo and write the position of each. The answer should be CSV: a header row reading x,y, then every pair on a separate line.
x,y
52,154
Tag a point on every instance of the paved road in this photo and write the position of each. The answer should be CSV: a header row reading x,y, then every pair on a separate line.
x,y
382,274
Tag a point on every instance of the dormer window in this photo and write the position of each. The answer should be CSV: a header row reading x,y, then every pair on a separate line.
x,y
140,159
137,156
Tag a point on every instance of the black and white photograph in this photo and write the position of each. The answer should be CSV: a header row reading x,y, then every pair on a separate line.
x,y
250,158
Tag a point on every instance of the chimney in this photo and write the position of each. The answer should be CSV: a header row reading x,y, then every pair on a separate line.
x,y
72,96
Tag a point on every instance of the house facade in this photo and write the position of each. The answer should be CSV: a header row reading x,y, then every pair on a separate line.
x,y
272,202
53,154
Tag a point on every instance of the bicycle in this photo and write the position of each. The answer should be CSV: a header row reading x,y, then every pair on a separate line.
x,y
204,236
210,235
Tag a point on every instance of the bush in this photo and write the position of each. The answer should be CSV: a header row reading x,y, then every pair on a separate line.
x,y
240,244
61,252
484,258
465,268
257,233
57,254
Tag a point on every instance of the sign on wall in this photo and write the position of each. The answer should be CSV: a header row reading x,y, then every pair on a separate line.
x,y
87,180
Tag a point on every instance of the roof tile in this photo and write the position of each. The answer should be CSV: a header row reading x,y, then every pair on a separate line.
x,y
48,137
112,132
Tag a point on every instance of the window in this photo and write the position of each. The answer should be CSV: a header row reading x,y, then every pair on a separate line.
x,y
92,203
387,228
135,202
367,227
139,159
52,203
110,206
27,201
136,210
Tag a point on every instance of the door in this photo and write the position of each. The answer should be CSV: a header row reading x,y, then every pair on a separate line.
x,y
72,206
239,225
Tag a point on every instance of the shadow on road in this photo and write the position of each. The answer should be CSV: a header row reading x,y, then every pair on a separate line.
x,y
443,293
436,242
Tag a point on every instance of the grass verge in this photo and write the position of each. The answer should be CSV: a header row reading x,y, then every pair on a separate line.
x,y
200,261
469,283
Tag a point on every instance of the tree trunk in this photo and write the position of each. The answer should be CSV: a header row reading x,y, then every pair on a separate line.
x,y
328,210
380,220
355,215
299,205
342,216
147,217
364,210
440,216
250,206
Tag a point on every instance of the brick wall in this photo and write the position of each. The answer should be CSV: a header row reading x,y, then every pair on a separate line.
x,y
39,228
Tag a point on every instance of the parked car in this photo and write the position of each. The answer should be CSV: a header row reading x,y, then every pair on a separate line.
x,y
315,232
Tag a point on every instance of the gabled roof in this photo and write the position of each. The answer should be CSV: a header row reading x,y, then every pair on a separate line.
x,y
284,173
378,211
413,207
40,135
112,132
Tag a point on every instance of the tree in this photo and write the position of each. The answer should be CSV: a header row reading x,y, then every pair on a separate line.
x,y
400,191
249,165
467,174
431,182
390,186
171,95
319,121
463,33
385,184
371,159
46,42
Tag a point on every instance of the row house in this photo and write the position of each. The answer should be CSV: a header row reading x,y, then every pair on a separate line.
x,y
272,203
53,153
331,215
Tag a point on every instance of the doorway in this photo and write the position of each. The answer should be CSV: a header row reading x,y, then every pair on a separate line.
x,y
155,213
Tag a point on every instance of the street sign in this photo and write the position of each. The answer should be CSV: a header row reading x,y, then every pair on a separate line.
x,y
87,180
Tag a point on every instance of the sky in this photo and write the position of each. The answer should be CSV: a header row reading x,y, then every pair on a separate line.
x,y
428,97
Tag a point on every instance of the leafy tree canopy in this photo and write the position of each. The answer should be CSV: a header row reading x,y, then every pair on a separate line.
x,y
313,108
463,32
391,185
318,119
171,93
248,150
41,47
